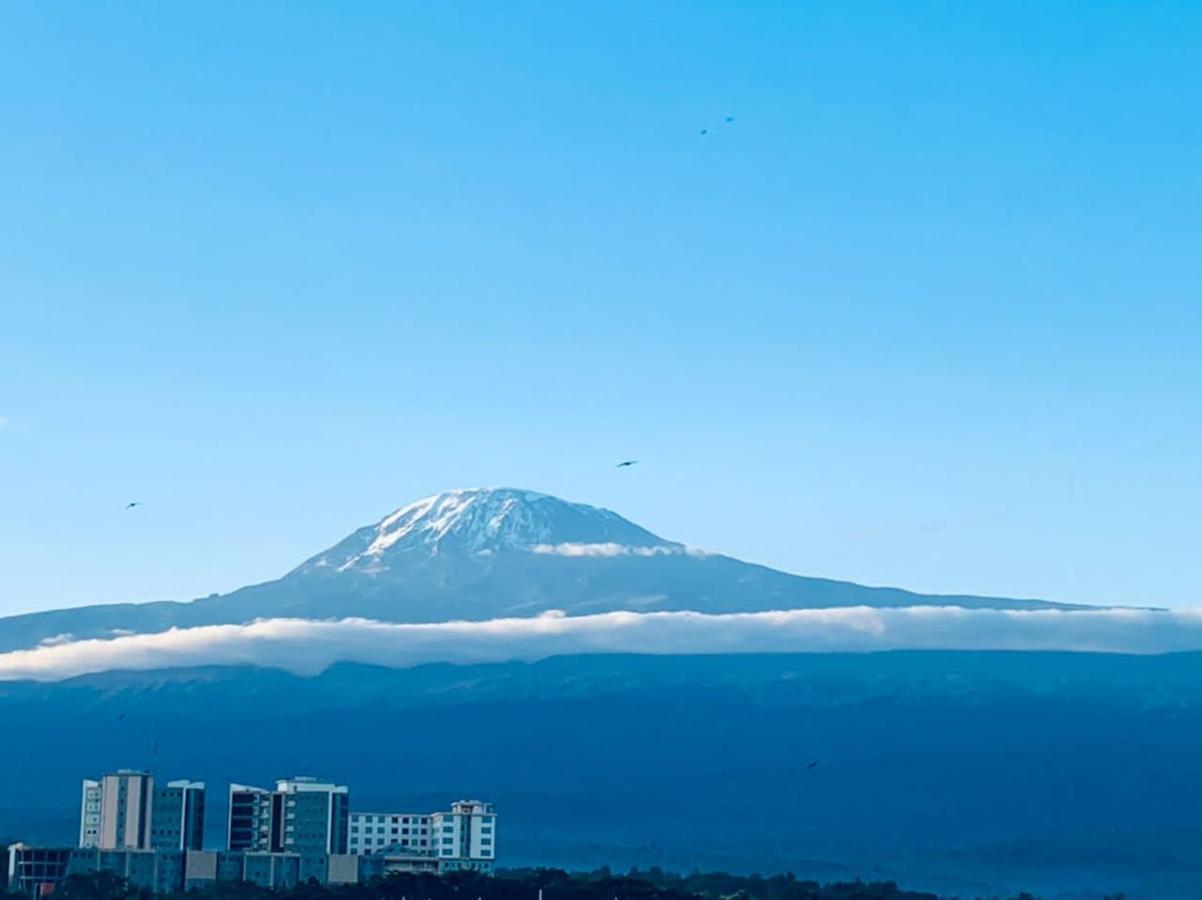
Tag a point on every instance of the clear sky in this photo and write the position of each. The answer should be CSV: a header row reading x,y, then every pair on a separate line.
x,y
927,313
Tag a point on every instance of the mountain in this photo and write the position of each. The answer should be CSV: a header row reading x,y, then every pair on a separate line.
x,y
975,774
968,773
488,553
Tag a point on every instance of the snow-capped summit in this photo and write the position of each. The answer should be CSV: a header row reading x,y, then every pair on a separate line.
x,y
491,553
480,522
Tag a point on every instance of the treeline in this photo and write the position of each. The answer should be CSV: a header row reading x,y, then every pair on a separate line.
x,y
515,884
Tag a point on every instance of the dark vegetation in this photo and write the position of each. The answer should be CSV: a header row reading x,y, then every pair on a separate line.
x,y
517,884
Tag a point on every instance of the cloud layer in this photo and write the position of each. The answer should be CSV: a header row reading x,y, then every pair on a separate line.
x,y
610,550
307,646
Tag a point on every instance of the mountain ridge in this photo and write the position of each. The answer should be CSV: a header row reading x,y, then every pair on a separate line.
x,y
485,553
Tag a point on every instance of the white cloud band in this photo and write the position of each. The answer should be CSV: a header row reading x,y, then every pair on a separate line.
x,y
611,550
308,646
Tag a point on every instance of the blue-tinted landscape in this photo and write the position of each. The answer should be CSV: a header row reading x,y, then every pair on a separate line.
x,y
600,451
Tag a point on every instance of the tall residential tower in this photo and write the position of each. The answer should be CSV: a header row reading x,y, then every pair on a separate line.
x,y
125,811
465,838
115,814
177,820
302,815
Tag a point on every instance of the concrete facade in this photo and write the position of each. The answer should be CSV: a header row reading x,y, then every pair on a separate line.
x,y
302,815
126,810
370,832
465,837
177,816
37,871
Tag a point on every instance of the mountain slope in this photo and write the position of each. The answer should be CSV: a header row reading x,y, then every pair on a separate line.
x,y
488,553
974,773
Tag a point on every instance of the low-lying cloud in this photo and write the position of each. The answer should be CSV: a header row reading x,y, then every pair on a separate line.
x,y
610,550
308,646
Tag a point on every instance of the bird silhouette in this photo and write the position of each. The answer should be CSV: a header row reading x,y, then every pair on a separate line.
x,y
627,462
705,131
812,764
133,503
729,119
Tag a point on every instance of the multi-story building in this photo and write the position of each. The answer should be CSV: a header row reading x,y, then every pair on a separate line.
x,y
177,820
249,818
89,814
370,832
116,810
159,871
465,837
299,830
310,816
271,870
302,815
37,871
125,811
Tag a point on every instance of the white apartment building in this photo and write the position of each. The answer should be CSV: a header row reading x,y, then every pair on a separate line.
x,y
89,814
126,810
466,836
370,832
463,838
115,811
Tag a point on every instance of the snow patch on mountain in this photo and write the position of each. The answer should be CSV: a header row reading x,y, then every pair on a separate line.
x,y
484,521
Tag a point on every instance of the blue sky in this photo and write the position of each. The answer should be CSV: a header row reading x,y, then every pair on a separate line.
x,y
925,314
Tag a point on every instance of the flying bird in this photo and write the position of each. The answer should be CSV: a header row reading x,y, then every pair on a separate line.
x,y
729,119
705,131
812,764
627,462
133,503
